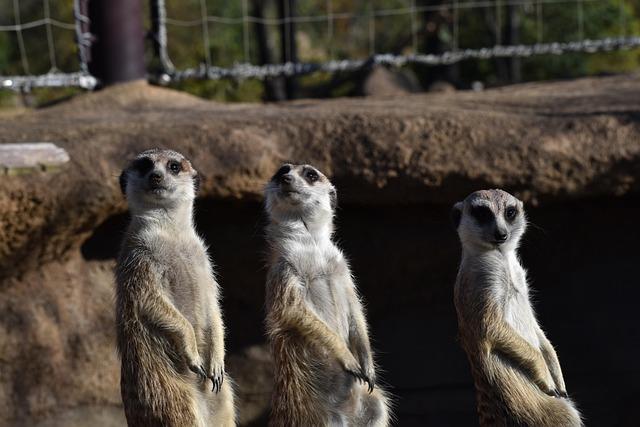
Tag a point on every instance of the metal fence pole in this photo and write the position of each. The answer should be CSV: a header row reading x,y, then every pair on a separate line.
x,y
286,10
159,36
84,39
118,51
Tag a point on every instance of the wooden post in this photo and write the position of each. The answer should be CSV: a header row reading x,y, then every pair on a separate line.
x,y
117,54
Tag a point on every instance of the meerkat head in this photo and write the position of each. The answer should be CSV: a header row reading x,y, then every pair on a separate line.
x,y
489,219
300,192
158,179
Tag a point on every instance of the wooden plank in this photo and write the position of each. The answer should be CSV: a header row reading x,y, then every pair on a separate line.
x,y
29,157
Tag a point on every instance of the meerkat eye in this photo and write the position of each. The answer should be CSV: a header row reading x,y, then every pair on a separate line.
x,y
482,214
142,165
174,166
510,213
312,176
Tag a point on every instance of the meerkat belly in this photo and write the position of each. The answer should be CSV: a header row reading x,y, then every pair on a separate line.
x,y
189,285
327,297
518,311
519,314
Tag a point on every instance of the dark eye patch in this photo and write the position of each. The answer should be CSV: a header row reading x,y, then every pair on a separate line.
x,y
311,175
282,171
142,165
482,214
174,166
510,213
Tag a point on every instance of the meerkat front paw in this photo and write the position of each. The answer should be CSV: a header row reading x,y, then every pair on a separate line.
x,y
363,375
216,375
195,365
351,365
546,384
548,388
369,375
558,393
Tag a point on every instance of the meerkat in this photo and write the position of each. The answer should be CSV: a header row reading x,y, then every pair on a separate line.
x,y
516,371
170,331
324,369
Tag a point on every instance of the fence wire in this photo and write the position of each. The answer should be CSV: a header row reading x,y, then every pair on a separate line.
x,y
53,78
457,53
247,71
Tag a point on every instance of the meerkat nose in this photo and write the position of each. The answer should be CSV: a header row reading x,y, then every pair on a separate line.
x,y
155,177
500,235
286,179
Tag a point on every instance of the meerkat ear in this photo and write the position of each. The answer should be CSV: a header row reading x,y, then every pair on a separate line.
x,y
456,214
333,198
196,183
123,182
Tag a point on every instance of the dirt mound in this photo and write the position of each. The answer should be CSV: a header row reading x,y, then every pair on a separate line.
x,y
549,143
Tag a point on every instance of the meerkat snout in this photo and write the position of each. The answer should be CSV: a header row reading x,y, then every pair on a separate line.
x,y
489,219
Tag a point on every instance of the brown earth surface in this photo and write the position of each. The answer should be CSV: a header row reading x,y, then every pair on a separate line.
x,y
398,164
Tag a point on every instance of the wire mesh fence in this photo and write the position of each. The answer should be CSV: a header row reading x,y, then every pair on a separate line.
x,y
49,41
339,35
35,42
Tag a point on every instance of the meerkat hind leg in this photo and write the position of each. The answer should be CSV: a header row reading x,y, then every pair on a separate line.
x,y
375,410
224,414
369,410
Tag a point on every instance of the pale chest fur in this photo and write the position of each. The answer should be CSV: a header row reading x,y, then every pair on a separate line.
x,y
187,274
514,294
324,275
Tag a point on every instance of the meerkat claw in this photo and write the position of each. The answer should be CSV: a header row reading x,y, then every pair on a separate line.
x,y
199,371
216,381
358,376
556,393
371,386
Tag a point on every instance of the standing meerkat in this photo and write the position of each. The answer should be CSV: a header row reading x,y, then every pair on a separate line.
x,y
324,369
169,325
516,371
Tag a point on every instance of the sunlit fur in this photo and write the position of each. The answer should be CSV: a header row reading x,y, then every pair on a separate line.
x,y
169,324
324,368
515,368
